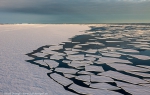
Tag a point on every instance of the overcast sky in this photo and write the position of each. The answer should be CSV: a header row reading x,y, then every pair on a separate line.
x,y
139,8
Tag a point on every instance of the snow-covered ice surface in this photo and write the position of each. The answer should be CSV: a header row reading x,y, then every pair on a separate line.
x,y
17,75
106,59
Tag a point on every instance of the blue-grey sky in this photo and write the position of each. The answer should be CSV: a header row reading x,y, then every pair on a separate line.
x,y
74,11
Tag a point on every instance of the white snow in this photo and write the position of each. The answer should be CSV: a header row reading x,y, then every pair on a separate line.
x,y
85,78
69,75
77,64
103,86
142,57
51,63
17,75
88,91
84,73
129,51
95,78
144,66
134,89
66,70
75,57
70,52
123,77
40,54
56,57
41,62
125,67
111,54
94,68
144,75
113,60
90,58
60,79
91,51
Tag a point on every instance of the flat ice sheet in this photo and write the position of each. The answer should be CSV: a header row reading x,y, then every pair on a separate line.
x,y
113,60
17,75
125,67
123,77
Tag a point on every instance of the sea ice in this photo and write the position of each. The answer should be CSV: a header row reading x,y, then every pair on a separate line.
x,y
85,78
90,58
134,89
75,57
69,75
51,63
129,51
94,68
91,51
60,79
66,61
103,86
123,77
95,78
70,52
84,73
142,57
56,57
40,62
113,60
144,75
40,55
125,67
66,70
113,41
111,54
91,55
89,91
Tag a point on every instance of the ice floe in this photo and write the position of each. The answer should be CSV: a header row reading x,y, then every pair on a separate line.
x,y
66,70
51,63
60,79
89,91
75,57
69,75
95,78
70,52
144,75
84,73
142,57
123,77
94,68
91,55
56,57
125,67
66,61
134,89
113,60
91,51
103,86
40,55
111,54
40,62
83,78
129,51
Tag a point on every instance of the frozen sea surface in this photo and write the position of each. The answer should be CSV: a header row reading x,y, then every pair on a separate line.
x,y
17,75
106,59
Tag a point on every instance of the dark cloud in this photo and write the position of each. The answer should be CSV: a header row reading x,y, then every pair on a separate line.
x,y
74,11
73,7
